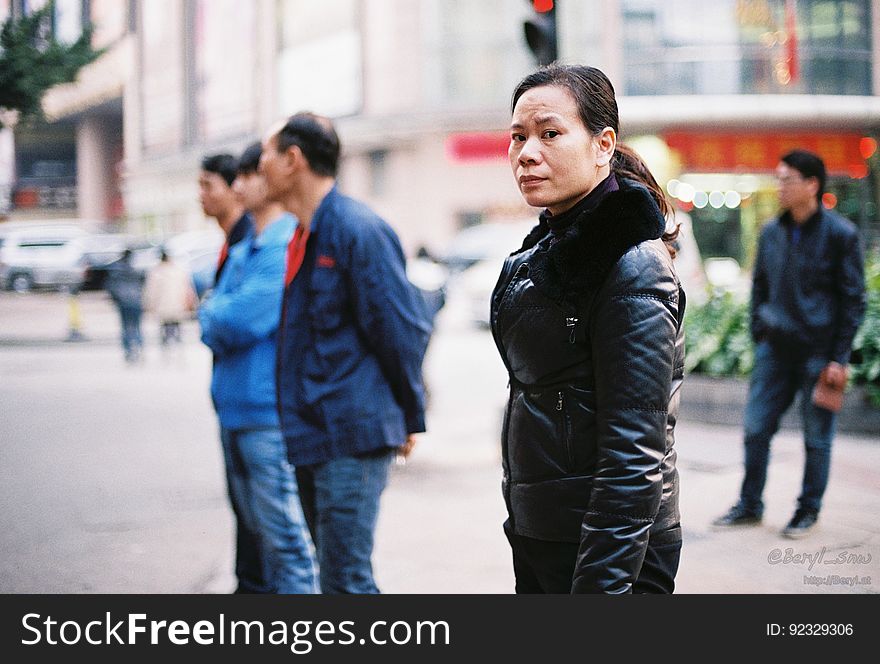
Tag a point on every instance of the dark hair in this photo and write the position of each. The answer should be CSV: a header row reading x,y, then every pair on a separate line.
x,y
249,160
808,165
224,165
317,139
597,106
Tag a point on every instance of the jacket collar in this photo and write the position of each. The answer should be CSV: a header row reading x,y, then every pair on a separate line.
x,y
581,256
327,204
786,219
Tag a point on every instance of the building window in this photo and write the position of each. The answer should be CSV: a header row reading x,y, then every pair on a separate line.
x,y
320,63
747,47
475,52
224,89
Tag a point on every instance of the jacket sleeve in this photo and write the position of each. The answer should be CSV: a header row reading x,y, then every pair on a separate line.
x,y
760,290
236,319
633,345
850,283
391,316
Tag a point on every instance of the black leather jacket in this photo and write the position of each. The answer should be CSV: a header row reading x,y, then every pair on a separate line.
x,y
588,322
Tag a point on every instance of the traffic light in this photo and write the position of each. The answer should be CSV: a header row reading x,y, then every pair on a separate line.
x,y
540,31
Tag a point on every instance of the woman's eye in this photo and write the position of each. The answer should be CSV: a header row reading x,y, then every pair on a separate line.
x,y
551,133
517,137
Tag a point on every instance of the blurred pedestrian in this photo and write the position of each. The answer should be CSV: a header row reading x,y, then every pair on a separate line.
x,y
587,316
220,202
352,339
808,299
170,297
125,284
239,324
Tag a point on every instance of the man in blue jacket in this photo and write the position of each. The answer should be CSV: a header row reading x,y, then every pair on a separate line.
x,y
240,324
808,299
352,338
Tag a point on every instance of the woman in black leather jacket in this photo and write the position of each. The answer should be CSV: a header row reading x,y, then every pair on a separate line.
x,y
587,317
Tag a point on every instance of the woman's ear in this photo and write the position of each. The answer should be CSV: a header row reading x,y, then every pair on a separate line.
x,y
606,141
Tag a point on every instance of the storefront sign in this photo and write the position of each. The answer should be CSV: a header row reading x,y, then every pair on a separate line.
x,y
757,152
477,146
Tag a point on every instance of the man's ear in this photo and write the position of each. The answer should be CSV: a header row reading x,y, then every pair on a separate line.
x,y
294,157
605,142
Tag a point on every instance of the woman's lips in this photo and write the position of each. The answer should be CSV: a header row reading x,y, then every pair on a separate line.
x,y
529,181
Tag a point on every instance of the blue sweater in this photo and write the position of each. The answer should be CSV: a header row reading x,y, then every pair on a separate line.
x,y
240,324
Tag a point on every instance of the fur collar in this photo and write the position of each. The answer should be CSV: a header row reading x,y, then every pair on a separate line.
x,y
579,258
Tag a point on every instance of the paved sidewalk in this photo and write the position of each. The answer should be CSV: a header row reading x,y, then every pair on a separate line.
x,y
111,477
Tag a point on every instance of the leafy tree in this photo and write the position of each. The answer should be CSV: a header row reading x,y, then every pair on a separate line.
x,y
32,60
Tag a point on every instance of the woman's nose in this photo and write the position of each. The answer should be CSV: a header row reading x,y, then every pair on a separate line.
x,y
530,152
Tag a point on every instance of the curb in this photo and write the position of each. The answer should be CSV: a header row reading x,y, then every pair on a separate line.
x,y
711,400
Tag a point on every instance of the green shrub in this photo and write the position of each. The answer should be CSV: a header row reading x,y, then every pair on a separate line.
x,y
865,360
717,340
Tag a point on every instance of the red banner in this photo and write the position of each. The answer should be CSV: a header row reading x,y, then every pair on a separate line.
x,y
760,152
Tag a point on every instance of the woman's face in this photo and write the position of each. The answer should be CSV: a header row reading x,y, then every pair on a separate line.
x,y
555,159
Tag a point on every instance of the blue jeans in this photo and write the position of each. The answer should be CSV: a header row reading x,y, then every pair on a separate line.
x,y
263,492
132,341
340,498
779,375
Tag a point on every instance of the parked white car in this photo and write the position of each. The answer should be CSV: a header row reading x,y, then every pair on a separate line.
x,y
41,256
479,252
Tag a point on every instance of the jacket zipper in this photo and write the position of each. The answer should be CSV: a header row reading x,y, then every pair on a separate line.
x,y
571,322
566,439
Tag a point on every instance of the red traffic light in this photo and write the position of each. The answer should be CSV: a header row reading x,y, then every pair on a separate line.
x,y
542,6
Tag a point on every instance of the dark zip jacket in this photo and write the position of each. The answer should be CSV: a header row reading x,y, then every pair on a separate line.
x,y
808,288
351,342
588,322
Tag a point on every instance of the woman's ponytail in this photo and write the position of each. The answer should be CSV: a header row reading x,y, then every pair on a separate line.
x,y
626,163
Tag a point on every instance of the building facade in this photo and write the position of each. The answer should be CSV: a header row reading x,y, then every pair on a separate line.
x,y
709,93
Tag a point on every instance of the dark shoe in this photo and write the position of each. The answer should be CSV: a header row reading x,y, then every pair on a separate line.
x,y
737,516
801,524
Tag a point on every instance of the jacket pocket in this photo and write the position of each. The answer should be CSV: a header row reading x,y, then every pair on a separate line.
x,y
565,428
578,425
536,436
327,294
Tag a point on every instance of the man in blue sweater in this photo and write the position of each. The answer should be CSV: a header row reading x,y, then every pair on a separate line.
x,y
240,324
351,342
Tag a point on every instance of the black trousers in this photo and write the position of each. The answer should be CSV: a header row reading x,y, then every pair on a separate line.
x,y
547,567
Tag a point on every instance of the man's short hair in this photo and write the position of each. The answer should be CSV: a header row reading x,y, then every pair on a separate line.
x,y
809,165
249,160
317,139
224,165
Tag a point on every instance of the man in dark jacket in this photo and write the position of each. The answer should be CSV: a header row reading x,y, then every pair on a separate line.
x,y
352,337
808,299
219,201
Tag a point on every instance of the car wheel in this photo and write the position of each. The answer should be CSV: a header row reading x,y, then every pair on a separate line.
x,y
20,283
